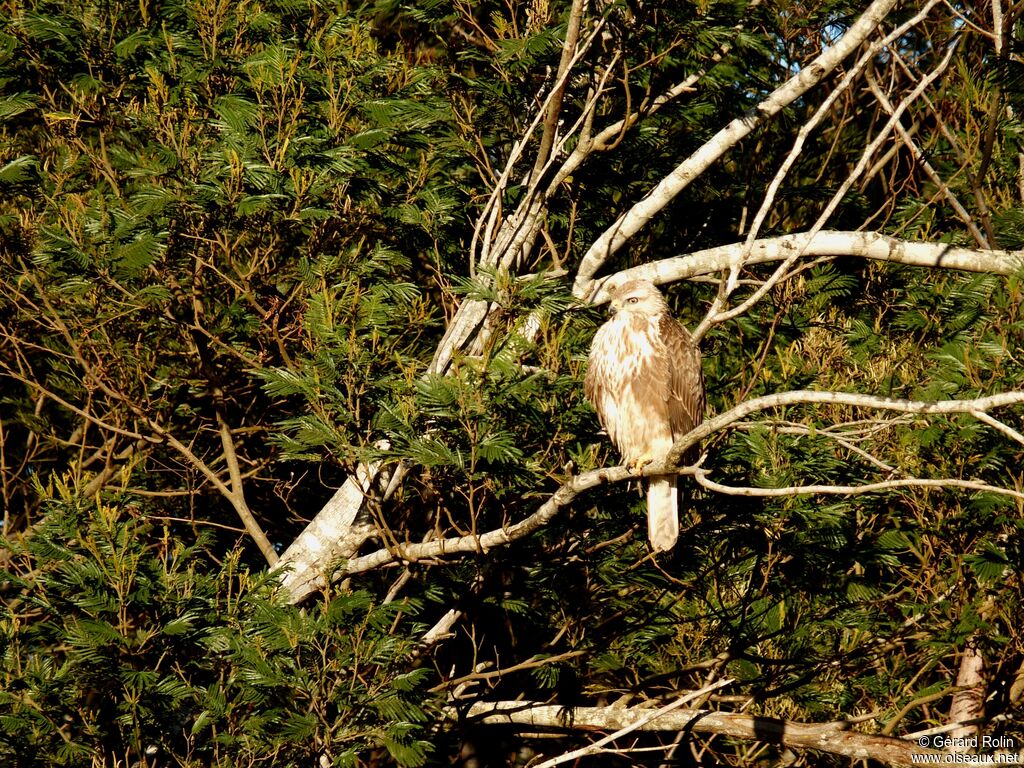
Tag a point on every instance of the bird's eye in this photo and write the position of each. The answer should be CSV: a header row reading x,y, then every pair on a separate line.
x,y
632,300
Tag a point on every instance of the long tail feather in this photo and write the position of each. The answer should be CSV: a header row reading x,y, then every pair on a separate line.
x,y
662,513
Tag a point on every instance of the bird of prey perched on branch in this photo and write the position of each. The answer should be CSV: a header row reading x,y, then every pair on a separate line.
x,y
646,383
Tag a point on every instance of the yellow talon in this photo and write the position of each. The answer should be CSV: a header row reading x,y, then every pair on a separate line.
x,y
637,464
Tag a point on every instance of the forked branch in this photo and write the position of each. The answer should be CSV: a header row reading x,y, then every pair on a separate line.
x,y
633,220
574,486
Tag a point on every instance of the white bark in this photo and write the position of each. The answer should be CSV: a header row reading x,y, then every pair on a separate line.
x,y
851,399
574,486
635,724
333,535
836,738
865,245
633,220
968,705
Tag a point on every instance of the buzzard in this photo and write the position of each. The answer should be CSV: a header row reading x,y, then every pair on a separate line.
x,y
646,383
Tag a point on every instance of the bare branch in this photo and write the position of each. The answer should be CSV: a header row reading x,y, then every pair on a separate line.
x,y
865,245
997,425
236,492
573,487
442,628
493,247
793,428
103,425
836,738
638,724
968,705
714,314
631,222
610,135
331,535
862,64
461,683
850,490
920,157
554,108
494,538
810,397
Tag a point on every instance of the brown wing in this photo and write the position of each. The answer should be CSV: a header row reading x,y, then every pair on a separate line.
x,y
686,378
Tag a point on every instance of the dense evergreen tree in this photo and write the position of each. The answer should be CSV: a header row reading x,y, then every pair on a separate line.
x,y
256,252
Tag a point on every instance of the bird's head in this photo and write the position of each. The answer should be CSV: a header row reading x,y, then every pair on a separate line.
x,y
637,297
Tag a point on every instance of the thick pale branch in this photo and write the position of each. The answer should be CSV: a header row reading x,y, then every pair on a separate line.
x,y
568,491
631,222
504,248
331,535
968,705
442,628
636,725
836,738
852,399
865,245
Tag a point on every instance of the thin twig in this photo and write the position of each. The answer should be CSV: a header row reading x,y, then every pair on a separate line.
x,y
701,476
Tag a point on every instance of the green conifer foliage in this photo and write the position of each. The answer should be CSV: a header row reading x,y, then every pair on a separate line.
x,y
196,194
121,645
233,238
